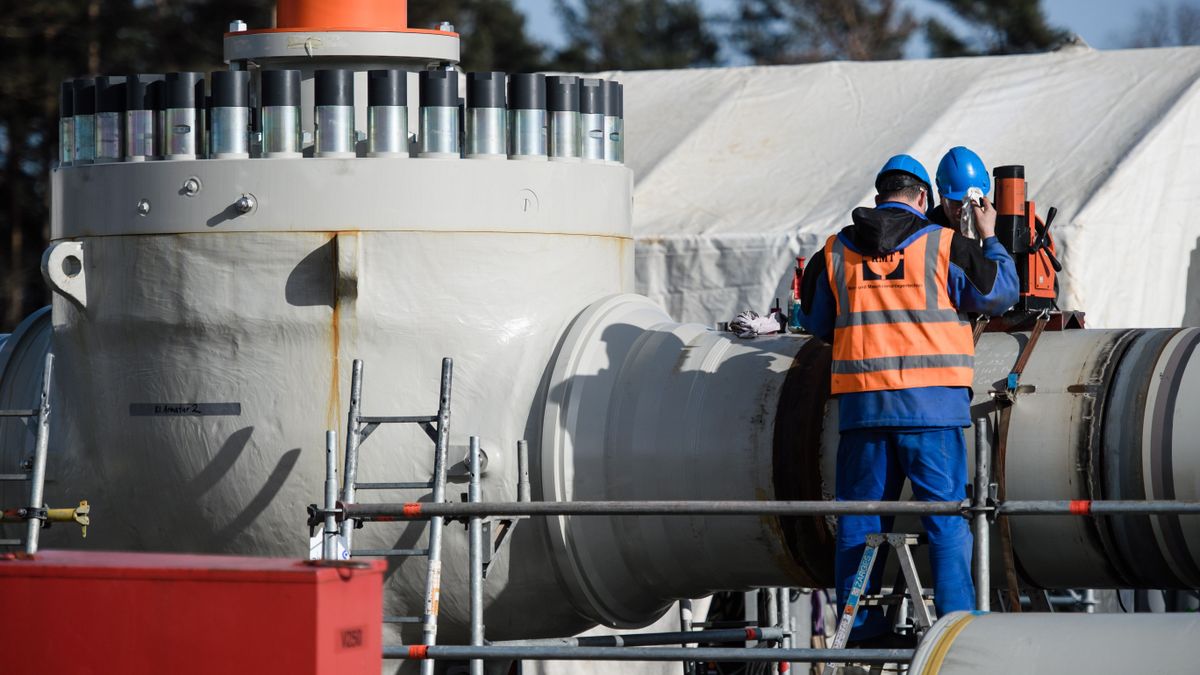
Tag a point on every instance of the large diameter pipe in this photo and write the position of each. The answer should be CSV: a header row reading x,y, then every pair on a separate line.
x,y
618,401
642,408
693,404
1108,415
1100,644
335,298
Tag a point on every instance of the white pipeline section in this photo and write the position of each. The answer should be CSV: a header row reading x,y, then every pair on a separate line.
x,y
639,407
1097,644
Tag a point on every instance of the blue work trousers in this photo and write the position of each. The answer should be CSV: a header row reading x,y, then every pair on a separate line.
x,y
872,465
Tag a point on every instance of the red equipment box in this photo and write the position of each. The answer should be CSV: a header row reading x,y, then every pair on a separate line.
x,y
98,612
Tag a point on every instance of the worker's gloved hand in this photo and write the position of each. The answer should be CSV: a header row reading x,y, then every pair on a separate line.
x,y
966,223
985,218
750,324
781,322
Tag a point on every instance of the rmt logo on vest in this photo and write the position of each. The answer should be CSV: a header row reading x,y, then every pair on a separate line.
x,y
888,267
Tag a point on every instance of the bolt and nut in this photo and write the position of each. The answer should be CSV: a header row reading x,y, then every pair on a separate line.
x,y
246,203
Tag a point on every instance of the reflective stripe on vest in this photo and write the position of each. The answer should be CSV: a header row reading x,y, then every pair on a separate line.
x,y
895,326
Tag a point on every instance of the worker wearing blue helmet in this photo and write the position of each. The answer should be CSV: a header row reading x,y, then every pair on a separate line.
x,y
888,292
959,171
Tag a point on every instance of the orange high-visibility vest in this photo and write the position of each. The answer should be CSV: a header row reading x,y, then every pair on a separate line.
x,y
895,325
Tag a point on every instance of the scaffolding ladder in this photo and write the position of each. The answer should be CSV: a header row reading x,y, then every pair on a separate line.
x,y
359,428
907,587
36,513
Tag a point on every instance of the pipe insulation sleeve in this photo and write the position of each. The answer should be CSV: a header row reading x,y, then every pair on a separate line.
x,y
641,408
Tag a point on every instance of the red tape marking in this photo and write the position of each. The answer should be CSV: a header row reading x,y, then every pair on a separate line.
x,y
412,510
784,667
1081,507
751,634
418,652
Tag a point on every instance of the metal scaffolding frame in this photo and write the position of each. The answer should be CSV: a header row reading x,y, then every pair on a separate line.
x,y
980,508
36,514
358,428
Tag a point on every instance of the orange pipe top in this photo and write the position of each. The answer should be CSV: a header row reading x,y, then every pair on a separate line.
x,y
381,15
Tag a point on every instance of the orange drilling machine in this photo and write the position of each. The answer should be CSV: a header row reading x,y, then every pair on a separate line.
x,y
1027,238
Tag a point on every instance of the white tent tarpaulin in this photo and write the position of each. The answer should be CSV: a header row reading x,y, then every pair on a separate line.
x,y
738,170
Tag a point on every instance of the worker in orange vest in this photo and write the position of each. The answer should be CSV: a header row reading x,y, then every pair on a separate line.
x,y
890,292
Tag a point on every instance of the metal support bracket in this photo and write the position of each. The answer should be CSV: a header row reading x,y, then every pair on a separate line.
x,y
365,430
503,528
430,430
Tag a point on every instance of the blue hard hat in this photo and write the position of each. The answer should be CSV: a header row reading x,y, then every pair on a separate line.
x,y
904,164
960,170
